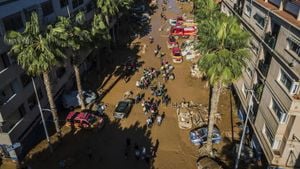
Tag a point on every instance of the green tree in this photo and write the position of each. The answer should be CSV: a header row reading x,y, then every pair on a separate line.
x,y
224,63
77,37
108,8
37,53
100,36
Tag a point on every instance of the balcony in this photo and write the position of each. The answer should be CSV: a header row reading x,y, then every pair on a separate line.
x,y
263,68
295,106
270,40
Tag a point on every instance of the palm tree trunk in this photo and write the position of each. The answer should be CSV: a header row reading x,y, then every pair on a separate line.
x,y
113,28
51,103
216,91
79,87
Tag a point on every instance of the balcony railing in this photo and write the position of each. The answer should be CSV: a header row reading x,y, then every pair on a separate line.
x,y
263,68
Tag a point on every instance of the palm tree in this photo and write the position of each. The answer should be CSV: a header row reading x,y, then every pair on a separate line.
x,y
37,54
108,8
224,63
100,36
76,37
206,10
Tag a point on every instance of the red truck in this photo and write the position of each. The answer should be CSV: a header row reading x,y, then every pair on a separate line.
x,y
183,31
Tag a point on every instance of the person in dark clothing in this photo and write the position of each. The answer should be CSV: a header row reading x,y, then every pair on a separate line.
x,y
137,152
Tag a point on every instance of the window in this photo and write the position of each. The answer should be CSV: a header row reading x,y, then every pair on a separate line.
x,y
293,47
12,120
76,3
63,3
25,79
47,8
249,72
267,132
248,10
13,22
22,110
5,61
288,83
260,20
32,101
60,72
280,114
276,144
15,86
6,94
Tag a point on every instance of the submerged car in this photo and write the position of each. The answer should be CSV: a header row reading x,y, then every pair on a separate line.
x,y
72,100
123,108
198,136
84,120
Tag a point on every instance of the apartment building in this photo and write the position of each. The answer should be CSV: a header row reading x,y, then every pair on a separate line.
x,y
20,121
269,87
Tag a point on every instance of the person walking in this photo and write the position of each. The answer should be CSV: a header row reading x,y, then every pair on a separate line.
x,y
137,152
144,153
149,122
158,119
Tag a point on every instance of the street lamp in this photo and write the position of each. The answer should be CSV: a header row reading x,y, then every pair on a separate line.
x,y
250,106
42,115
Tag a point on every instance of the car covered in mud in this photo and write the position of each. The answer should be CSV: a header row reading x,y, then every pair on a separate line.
x,y
84,120
198,136
176,55
123,108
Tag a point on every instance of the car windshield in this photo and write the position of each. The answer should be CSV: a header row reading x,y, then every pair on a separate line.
x,y
121,106
92,119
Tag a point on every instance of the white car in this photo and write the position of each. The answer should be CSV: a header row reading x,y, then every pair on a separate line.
x,y
172,22
72,100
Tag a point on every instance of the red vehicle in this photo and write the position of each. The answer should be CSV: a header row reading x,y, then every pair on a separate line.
x,y
176,55
180,20
172,42
183,31
84,120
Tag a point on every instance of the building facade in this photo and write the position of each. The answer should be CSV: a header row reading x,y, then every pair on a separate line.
x,y
20,120
269,87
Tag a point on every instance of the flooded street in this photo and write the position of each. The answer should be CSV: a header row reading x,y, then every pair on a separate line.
x,y
105,149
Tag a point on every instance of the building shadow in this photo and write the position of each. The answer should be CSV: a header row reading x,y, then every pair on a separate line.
x,y
105,148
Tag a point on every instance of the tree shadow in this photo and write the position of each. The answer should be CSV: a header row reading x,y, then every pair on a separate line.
x,y
105,148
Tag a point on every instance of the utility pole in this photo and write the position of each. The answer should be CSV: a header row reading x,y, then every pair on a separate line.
x,y
42,115
250,106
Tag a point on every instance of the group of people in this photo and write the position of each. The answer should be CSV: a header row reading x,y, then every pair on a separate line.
x,y
166,70
138,152
158,52
148,75
151,106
